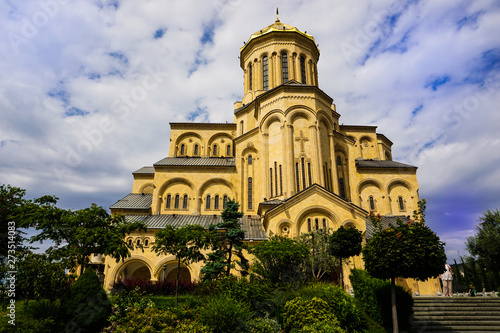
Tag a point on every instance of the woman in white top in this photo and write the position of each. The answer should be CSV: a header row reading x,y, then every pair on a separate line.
x,y
447,278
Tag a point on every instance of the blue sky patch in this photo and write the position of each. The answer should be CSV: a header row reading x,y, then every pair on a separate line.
x,y
417,110
120,56
208,33
437,82
470,20
94,76
61,95
72,111
488,62
159,33
200,111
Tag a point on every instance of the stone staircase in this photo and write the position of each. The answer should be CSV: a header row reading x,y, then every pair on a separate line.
x,y
456,314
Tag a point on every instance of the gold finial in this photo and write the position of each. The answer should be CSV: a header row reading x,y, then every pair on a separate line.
x,y
277,13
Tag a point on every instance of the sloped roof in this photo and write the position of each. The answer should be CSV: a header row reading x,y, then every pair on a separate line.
x,y
386,221
250,223
134,201
147,170
197,161
382,164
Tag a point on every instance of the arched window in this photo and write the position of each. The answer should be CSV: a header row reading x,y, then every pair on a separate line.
x,y
303,69
341,187
196,152
401,203
208,202
372,203
214,151
249,159
138,242
183,149
176,203
284,66
339,160
216,202
130,242
146,242
228,150
324,224
281,181
316,222
308,225
265,76
185,202
250,77
224,202
250,193
169,201
271,180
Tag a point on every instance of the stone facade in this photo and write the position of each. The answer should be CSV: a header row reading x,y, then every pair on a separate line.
x,y
286,159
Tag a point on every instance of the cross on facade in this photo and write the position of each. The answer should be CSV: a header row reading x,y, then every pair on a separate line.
x,y
302,139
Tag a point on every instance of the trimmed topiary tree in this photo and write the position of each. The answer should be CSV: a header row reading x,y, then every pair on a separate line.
x,y
88,306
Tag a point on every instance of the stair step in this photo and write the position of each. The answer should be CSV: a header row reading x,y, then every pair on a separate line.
x,y
436,317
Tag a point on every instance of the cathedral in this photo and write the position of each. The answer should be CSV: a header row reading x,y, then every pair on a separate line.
x,y
286,159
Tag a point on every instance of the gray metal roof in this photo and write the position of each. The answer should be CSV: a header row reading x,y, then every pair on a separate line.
x,y
134,201
197,161
386,221
272,202
251,224
382,164
147,170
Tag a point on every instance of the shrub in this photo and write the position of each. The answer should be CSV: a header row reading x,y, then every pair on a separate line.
x,y
154,288
124,301
223,314
151,320
88,306
323,327
190,326
349,315
374,297
300,312
264,325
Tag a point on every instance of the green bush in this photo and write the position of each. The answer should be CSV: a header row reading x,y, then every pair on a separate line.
x,y
223,314
300,312
125,300
374,296
323,327
348,313
264,325
186,309
88,306
190,326
151,320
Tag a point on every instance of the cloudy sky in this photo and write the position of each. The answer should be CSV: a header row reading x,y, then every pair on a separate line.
x,y
88,87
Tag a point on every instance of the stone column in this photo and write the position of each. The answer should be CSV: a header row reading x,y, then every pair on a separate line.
x,y
290,160
335,178
317,158
265,166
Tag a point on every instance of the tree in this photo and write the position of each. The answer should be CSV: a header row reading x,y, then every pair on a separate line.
x,y
184,243
345,243
484,246
406,250
225,238
79,234
319,261
280,259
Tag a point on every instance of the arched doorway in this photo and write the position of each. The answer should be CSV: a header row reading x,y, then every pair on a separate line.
x,y
136,269
184,275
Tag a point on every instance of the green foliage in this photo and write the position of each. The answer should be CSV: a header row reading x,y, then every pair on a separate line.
x,y
264,325
225,314
345,243
225,238
373,296
190,326
300,312
319,261
484,248
126,300
88,306
280,260
342,305
79,234
323,327
150,320
42,316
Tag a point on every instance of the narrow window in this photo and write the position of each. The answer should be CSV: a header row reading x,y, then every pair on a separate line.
x,y
341,187
339,160
271,180
316,224
324,224
250,77
324,175
401,203
249,192
281,182
249,159
138,242
309,171
130,242
303,174
265,83
224,202
228,150
331,180
183,149
303,69
146,242
308,225
169,201
215,150
284,65
196,150
185,202
276,177
176,204
216,202
208,202
297,176
372,203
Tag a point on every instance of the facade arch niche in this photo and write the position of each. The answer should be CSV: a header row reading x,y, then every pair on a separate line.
x,y
401,197
221,140
176,187
189,140
136,267
147,188
326,152
284,228
371,194
212,189
364,146
315,216
169,274
342,166
271,117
